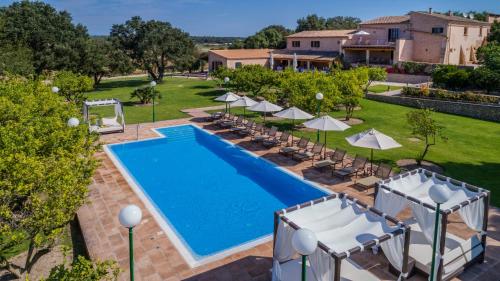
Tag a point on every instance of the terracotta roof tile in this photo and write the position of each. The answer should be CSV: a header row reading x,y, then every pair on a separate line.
x,y
322,33
243,53
388,20
452,18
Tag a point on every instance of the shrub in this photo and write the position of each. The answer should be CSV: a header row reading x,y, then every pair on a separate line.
x,y
145,94
448,95
73,86
83,269
487,79
451,77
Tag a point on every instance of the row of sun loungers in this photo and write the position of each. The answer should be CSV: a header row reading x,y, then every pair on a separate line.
x,y
302,151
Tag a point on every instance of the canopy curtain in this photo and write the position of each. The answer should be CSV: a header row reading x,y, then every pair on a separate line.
x,y
473,215
283,250
322,265
394,251
425,218
389,203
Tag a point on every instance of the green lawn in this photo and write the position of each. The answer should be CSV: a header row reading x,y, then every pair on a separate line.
x,y
471,153
177,94
383,88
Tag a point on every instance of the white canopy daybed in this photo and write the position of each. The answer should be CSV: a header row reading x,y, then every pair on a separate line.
x,y
411,189
105,125
343,227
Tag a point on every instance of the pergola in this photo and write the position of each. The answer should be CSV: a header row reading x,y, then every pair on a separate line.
x,y
343,226
105,125
411,189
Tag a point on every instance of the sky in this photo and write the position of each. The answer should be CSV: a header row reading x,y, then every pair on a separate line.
x,y
243,17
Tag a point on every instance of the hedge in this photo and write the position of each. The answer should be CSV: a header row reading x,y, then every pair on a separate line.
x,y
448,95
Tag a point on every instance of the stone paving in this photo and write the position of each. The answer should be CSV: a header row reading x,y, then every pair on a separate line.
x,y
157,258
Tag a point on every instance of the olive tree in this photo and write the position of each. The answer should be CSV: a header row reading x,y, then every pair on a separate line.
x,y
45,165
350,83
72,86
423,125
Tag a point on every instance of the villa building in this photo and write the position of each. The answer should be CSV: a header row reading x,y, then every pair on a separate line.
x,y
418,36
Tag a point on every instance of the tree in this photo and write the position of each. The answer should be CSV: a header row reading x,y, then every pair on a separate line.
x,y
252,79
494,35
350,83
72,86
153,45
299,89
340,22
54,41
145,94
485,78
83,269
272,37
422,124
489,56
220,74
311,22
238,44
373,74
45,165
101,58
16,60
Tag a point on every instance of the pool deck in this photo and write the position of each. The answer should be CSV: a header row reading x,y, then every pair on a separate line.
x,y
156,258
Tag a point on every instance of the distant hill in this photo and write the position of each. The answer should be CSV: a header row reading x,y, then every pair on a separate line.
x,y
215,39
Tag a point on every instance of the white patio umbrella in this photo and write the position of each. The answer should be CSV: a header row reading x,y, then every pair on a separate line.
x,y
227,98
326,123
372,139
295,62
361,32
293,113
265,106
243,101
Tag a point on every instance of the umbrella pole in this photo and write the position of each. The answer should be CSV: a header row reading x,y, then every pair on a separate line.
x,y
244,112
371,162
324,153
293,128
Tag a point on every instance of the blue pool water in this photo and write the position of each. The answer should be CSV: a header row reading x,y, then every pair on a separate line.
x,y
214,195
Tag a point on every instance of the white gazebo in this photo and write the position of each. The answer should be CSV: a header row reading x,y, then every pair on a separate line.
x,y
343,227
105,125
411,190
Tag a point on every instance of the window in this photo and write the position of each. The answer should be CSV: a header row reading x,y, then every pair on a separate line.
x,y
296,44
466,31
314,44
393,34
237,64
437,30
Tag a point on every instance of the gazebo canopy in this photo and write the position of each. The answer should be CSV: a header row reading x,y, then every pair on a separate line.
x,y
343,227
105,125
411,189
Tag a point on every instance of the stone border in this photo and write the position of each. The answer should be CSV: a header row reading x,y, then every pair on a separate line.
x,y
479,111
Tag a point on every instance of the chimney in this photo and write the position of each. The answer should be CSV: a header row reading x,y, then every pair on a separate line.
x,y
430,10
449,13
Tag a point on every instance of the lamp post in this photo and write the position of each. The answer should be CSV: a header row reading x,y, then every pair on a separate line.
x,y
319,98
153,84
129,217
304,241
439,194
226,80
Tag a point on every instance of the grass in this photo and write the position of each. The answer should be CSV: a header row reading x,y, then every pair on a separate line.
x,y
470,154
177,94
383,88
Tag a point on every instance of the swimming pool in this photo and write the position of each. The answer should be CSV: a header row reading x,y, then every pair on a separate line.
x,y
211,197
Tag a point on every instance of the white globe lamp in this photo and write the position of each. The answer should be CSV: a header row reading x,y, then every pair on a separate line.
x,y
73,122
129,217
152,83
226,80
304,241
319,96
439,193
55,90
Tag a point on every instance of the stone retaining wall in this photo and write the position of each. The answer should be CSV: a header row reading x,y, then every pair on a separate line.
x,y
479,111
407,78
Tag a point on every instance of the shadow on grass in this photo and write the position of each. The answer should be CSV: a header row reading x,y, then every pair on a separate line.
x,y
121,83
212,94
202,87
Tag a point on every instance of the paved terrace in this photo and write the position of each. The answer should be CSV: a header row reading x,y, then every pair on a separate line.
x,y
156,258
